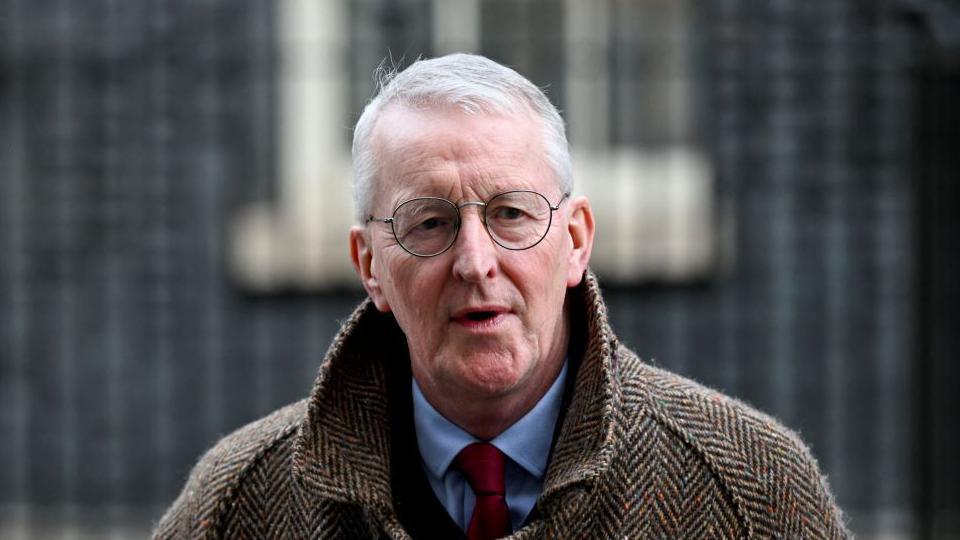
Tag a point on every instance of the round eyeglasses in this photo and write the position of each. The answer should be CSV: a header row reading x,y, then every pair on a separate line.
x,y
515,220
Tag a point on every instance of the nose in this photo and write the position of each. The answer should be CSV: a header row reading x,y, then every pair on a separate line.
x,y
475,255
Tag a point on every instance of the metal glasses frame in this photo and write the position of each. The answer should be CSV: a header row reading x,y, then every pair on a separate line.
x,y
483,218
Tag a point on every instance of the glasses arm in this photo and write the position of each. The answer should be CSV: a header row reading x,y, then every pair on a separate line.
x,y
378,220
557,206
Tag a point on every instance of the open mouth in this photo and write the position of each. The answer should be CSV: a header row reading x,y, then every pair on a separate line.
x,y
480,317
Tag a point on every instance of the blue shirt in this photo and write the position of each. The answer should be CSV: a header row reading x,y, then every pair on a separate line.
x,y
526,444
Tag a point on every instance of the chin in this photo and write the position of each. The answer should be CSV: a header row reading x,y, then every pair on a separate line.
x,y
491,375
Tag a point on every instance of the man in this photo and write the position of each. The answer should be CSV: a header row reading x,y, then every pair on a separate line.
x,y
480,390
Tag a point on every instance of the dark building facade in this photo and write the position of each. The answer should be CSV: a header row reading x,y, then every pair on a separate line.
x,y
131,133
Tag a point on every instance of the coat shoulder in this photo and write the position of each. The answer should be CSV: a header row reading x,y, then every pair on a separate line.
x,y
198,510
767,470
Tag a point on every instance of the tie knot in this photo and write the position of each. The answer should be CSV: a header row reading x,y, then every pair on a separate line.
x,y
482,463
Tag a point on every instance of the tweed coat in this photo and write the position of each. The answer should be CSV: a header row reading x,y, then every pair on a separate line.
x,y
640,453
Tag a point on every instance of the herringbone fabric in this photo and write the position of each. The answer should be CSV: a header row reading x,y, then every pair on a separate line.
x,y
642,453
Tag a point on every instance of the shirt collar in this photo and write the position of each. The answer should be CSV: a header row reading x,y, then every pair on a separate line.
x,y
527,442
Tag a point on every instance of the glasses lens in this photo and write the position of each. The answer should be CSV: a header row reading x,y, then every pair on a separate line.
x,y
518,219
426,226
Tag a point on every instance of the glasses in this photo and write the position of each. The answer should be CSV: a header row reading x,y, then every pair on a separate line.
x,y
428,226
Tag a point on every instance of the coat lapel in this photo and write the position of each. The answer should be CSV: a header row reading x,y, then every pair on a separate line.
x,y
342,448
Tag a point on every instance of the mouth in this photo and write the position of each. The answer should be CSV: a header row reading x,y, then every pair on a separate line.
x,y
480,317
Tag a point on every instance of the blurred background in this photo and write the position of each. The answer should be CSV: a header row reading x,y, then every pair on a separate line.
x,y
776,185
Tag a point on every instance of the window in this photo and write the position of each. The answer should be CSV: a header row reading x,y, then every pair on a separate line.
x,y
621,72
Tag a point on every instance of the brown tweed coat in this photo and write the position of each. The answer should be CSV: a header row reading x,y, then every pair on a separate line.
x,y
641,453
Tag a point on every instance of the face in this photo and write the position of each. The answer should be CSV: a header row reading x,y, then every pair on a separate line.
x,y
481,321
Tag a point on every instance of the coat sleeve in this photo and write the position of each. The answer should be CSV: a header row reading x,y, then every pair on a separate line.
x,y
775,479
769,473
817,512
193,514
212,486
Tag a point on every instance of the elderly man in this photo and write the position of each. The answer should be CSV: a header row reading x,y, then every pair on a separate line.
x,y
480,390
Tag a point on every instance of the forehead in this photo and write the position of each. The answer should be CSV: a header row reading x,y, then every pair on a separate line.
x,y
447,152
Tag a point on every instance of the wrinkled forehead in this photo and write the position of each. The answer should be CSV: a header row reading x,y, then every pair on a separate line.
x,y
446,152
453,131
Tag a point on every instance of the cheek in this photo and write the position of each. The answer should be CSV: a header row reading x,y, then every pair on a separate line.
x,y
542,282
413,291
554,257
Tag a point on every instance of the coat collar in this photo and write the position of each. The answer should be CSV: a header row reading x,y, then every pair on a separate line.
x,y
342,450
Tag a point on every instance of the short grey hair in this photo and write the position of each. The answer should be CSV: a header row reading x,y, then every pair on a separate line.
x,y
470,82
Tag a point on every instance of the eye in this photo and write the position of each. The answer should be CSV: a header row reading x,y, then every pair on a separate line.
x,y
431,223
428,225
508,213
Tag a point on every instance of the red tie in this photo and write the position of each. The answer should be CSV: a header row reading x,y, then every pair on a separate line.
x,y
482,464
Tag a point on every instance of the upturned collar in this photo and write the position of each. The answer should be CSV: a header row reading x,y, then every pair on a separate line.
x,y
342,450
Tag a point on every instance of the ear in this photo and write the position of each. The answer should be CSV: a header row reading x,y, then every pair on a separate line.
x,y
361,253
581,226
